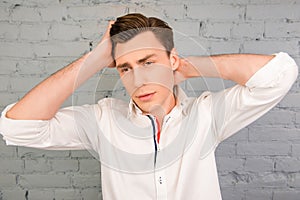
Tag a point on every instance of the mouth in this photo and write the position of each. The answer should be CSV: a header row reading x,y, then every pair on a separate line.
x,y
146,97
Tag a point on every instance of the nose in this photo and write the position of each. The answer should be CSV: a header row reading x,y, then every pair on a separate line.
x,y
138,77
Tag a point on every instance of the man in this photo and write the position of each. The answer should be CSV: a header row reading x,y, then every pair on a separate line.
x,y
162,145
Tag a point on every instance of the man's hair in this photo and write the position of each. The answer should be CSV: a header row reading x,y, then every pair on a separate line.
x,y
130,25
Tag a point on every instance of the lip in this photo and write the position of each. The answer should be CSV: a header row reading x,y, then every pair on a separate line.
x,y
146,96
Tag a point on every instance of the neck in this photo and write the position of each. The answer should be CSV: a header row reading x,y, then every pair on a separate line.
x,y
165,108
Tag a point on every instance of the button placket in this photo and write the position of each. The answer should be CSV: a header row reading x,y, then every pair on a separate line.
x,y
161,185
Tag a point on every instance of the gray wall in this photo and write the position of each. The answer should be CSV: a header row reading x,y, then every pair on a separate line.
x,y
38,37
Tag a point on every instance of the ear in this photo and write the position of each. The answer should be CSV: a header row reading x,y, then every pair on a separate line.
x,y
174,59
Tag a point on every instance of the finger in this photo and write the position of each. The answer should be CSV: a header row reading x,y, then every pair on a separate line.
x,y
110,23
112,64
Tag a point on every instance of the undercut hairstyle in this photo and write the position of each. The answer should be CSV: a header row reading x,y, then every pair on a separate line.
x,y
128,26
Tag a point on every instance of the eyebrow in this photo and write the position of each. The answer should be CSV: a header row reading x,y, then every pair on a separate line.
x,y
142,60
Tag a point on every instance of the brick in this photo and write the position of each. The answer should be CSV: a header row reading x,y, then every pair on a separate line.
x,y
290,101
11,166
8,66
230,164
242,135
282,30
7,180
26,14
16,193
270,47
284,194
44,181
263,148
9,31
35,32
273,11
226,149
217,30
223,12
287,164
67,32
192,46
298,118
232,193
92,30
294,180
26,152
61,49
4,84
37,165
65,165
146,9
53,13
206,83
91,194
295,150
52,65
272,2
86,181
233,179
19,50
258,194
45,3
258,164
91,166
186,28
275,117
268,180
96,12
7,151
173,11
30,67
17,84
40,194
80,154
273,134
8,98
223,47
248,30
4,13
63,194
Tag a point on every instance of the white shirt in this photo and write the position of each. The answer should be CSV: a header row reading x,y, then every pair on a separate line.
x,y
182,165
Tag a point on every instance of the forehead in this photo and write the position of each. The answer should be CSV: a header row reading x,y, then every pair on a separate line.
x,y
143,43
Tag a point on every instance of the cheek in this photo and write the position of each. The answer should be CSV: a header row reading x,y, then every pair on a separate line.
x,y
155,74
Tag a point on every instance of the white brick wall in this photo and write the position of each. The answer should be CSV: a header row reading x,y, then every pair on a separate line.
x,y
39,37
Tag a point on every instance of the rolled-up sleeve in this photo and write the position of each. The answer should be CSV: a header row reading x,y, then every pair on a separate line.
x,y
69,129
236,107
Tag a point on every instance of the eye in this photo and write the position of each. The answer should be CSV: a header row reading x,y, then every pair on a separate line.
x,y
124,69
148,63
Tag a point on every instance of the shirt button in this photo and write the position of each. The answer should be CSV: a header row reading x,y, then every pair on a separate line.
x,y
160,180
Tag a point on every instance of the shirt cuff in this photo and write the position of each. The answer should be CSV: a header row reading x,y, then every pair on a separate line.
x,y
16,132
271,71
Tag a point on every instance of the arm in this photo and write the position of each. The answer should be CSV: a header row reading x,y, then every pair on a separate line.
x,y
235,67
43,101
262,82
